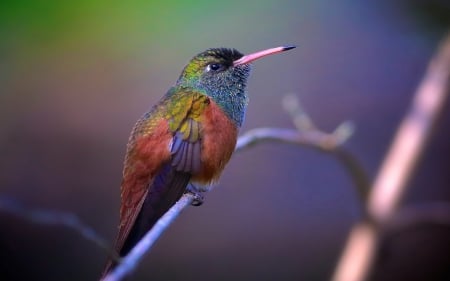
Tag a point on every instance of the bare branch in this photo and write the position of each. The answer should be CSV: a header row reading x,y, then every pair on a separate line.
x,y
129,263
313,138
411,136
396,171
358,175
317,140
334,144
300,118
69,220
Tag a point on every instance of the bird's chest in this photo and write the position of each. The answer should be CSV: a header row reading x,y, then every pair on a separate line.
x,y
218,140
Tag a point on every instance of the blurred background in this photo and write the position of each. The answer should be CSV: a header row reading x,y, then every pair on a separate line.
x,y
76,75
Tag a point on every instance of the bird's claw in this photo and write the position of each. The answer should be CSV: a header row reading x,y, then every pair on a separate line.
x,y
198,200
198,197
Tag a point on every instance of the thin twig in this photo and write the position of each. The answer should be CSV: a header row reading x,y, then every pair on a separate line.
x,y
129,263
313,138
304,124
300,118
69,220
358,175
398,167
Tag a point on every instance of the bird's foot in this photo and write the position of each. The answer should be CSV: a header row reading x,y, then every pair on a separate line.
x,y
198,197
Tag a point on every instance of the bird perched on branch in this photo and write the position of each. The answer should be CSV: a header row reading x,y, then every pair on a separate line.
x,y
188,137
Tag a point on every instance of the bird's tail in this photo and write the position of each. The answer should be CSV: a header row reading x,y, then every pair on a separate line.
x,y
165,190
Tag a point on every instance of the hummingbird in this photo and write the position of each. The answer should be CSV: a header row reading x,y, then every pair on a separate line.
x,y
186,138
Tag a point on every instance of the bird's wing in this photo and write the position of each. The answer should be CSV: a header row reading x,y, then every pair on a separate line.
x,y
186,128
156,174
186,147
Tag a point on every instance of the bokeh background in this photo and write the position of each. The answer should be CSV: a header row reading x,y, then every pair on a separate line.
x,y
76,75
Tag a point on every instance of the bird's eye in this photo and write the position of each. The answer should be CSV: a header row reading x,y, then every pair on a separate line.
x,y
214,67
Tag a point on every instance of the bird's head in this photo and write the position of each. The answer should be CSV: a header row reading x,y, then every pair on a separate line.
x,y
214,70
222,74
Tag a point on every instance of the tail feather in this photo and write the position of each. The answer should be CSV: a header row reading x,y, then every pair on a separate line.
x,y
165,190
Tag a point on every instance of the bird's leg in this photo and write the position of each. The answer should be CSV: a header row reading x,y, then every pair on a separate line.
x,y
197,192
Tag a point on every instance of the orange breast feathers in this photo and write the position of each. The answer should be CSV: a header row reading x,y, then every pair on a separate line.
x,y
219,135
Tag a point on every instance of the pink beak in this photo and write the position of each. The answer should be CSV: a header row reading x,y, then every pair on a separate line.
x,y
251,57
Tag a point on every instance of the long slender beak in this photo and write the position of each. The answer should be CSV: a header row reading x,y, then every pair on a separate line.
x,y
251,57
